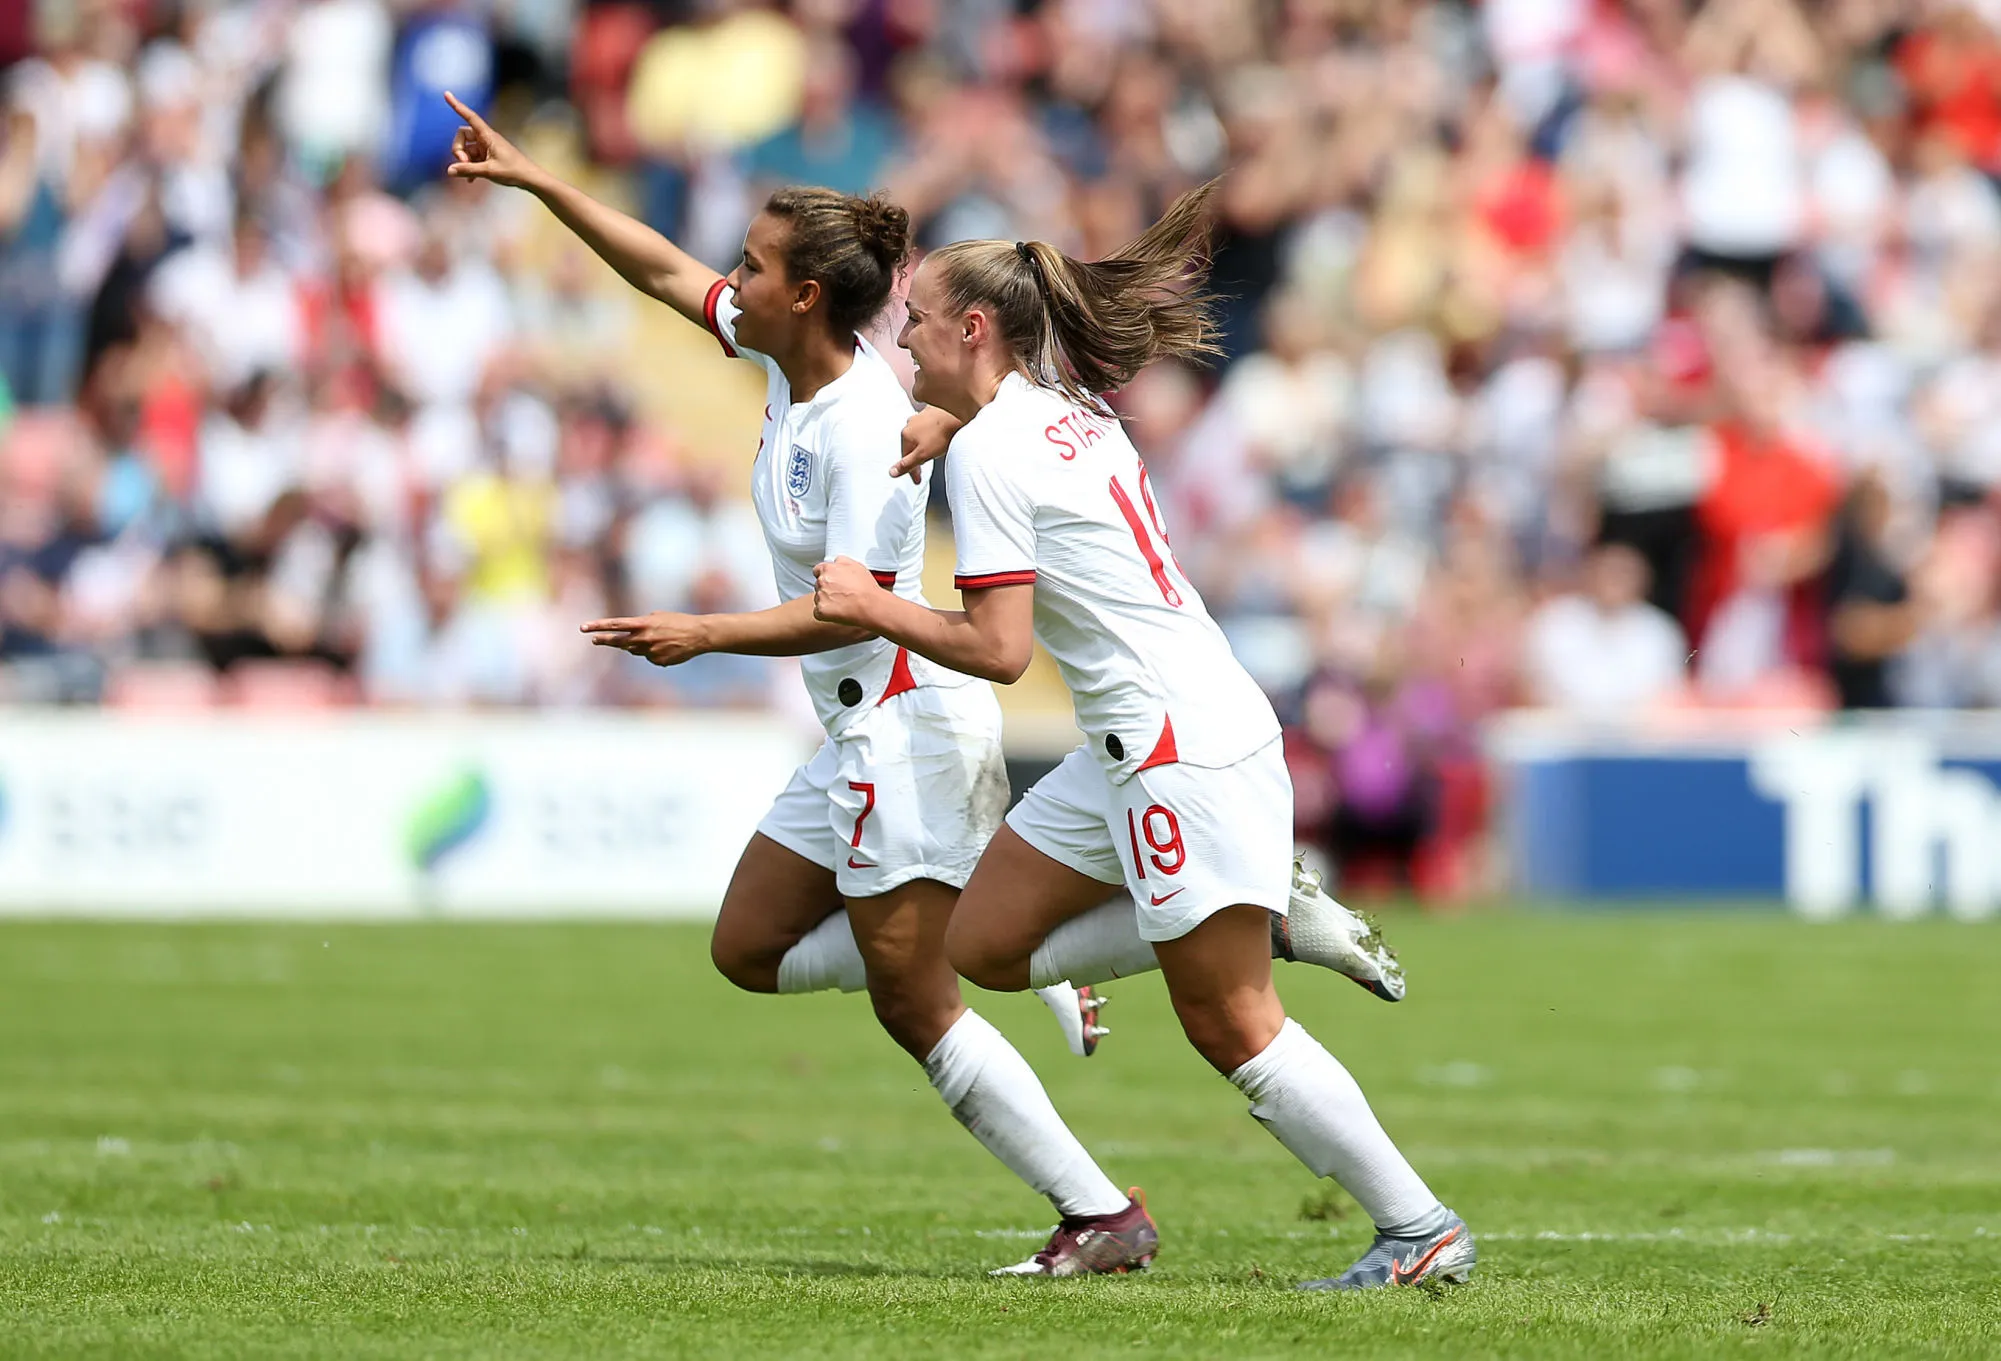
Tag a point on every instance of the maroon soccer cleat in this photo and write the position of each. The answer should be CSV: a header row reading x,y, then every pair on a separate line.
x,y
1103,1245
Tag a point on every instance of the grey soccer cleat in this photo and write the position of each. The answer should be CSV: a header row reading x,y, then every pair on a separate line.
x,y
1104,1245
1076,1011
1447,1255
1317,930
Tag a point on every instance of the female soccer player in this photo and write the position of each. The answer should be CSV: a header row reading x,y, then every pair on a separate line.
x,y
1179,791
891,814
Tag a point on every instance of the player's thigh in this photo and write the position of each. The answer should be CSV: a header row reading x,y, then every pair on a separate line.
x,y
901,935
1051,861
1218,977
784,882
775,897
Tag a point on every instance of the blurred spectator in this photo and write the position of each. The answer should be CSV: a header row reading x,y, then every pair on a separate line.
x,y
444,46
333,95
245,460
439,326
700,544
236,302
727,80
39,322
1764,518
1604,650
837,141
1871,618
1955,661
1294,401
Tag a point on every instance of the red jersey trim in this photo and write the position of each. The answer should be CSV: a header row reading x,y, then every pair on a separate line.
x,y
709,316
886,580
981,580
1164,753
900,678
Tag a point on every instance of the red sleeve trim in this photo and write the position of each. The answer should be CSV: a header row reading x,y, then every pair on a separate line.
x,y
709,316
980,581
886,580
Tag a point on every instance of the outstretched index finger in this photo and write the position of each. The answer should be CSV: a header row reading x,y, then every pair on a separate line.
x,y
473,120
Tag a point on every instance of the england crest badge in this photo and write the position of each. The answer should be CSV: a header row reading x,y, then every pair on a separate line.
x,y
799,471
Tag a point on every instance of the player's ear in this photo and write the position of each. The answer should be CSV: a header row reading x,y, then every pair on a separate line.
x,y
974,327
805,295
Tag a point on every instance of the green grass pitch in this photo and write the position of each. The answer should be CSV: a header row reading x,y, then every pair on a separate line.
x,y
1675,1135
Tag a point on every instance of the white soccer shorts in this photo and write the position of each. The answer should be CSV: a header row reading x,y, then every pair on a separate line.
x,y
914,789
1186,841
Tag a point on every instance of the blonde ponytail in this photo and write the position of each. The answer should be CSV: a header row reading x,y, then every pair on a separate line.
x,y
1087,328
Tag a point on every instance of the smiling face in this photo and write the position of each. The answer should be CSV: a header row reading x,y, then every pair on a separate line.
x,y
770,300
939,338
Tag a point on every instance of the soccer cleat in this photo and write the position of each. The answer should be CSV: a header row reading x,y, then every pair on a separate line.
x,y
1317,930
1447,1255
1076,1011
1103,1245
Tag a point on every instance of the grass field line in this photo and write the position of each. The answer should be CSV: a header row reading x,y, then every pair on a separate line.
x,y
114,1149
1721,1236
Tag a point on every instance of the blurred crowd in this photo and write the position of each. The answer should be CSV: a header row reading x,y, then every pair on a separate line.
x,y
1615,356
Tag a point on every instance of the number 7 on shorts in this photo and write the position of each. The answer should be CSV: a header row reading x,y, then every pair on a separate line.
x,y
867,790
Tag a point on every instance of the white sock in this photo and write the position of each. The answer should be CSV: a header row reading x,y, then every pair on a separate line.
x,y
995,1094
1096,947
1303,1095
825,957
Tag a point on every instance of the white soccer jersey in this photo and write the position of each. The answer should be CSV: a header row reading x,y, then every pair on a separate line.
x,y
1046,492
822,490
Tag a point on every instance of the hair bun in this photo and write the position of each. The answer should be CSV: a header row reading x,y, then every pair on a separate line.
x,y
884,229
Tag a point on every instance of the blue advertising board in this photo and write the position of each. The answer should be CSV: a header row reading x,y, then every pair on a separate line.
x,y
1899,812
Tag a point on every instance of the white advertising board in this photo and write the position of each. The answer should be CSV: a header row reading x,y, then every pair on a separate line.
x,y
381,815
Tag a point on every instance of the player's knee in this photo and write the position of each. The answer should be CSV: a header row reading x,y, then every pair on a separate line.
x,y
915,1013
1228,1037
749,964
978,960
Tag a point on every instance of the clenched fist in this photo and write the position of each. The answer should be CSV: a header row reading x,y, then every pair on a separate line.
x,y
844,592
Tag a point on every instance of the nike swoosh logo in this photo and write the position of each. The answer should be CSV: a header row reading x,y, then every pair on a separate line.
x,y
855,864
1160,898
1400,1275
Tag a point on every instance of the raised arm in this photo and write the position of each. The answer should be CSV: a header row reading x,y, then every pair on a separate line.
x,y
643,257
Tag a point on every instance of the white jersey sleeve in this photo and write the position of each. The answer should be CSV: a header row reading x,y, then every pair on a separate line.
x,y
719,314
869,513
993,516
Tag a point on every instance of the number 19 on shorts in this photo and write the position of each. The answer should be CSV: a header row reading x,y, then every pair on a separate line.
x,y
1162,832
